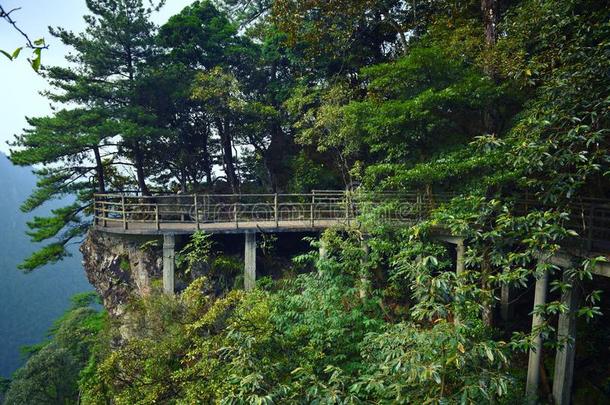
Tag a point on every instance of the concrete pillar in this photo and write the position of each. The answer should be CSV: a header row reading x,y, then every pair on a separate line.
x,y
459,261
533,367
506,308
323,250
564,358
250,261
169,263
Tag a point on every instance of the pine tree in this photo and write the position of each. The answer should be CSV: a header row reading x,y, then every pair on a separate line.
x,y
74,149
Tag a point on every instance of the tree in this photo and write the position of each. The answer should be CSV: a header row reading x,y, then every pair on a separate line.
x,y
48,378
51,373
108,60
201,38
69,145
113,52
204,40
220,92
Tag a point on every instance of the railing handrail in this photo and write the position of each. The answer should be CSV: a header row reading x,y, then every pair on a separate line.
x,y
591,216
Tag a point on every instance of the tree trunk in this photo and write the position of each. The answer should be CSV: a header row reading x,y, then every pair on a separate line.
x,y
139,163
490,20
183,181
489,9
274,158
99,170
207,161
227,153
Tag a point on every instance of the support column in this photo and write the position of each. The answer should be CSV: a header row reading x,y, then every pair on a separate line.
x,y
506,308
323,250
169,263
250,261
564,359
459,261
533,367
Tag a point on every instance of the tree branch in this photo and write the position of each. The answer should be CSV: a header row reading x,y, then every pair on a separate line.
x,y
6,15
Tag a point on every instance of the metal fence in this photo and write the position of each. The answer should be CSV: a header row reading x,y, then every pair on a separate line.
x,y
320,208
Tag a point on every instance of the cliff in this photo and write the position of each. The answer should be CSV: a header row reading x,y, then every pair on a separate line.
x,y
120,268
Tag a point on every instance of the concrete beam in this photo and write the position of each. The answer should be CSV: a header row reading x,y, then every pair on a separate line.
x,y
566,260
454,240
535,355
564,358
169,263
250,261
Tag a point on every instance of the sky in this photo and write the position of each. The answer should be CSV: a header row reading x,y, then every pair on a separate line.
x,y
19,84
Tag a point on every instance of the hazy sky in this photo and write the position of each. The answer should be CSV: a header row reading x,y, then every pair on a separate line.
x,y
19,84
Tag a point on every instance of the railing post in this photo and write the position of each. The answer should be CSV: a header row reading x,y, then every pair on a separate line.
x,y
207,208
104,213
124,213
196,212
236,216
157,216
346,207
95,211
311,209
276,211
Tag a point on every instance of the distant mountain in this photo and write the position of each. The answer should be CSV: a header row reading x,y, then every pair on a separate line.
x,y
29,303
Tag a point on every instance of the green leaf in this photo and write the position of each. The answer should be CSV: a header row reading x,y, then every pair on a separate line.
x,y
489,353
39,42
36,63
16,52
8,55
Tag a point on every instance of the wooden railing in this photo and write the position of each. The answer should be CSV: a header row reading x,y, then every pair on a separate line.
x,y
319,209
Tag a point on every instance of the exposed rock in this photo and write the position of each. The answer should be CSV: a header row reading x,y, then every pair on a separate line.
x,y
119,268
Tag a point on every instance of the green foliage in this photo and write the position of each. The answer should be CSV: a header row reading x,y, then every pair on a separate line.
x,y
49,377
198,259
306,339
201,26
196,252
52,371
390,94
563,129
308,175
446,363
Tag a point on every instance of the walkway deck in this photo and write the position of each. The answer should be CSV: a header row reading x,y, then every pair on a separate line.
x,y
187,228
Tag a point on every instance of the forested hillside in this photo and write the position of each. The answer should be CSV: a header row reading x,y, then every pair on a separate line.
x,y
494,101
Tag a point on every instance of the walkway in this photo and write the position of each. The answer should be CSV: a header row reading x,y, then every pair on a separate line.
x,y
170,215
213,213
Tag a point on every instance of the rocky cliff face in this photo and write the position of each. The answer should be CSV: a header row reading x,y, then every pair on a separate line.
x,y
120,268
